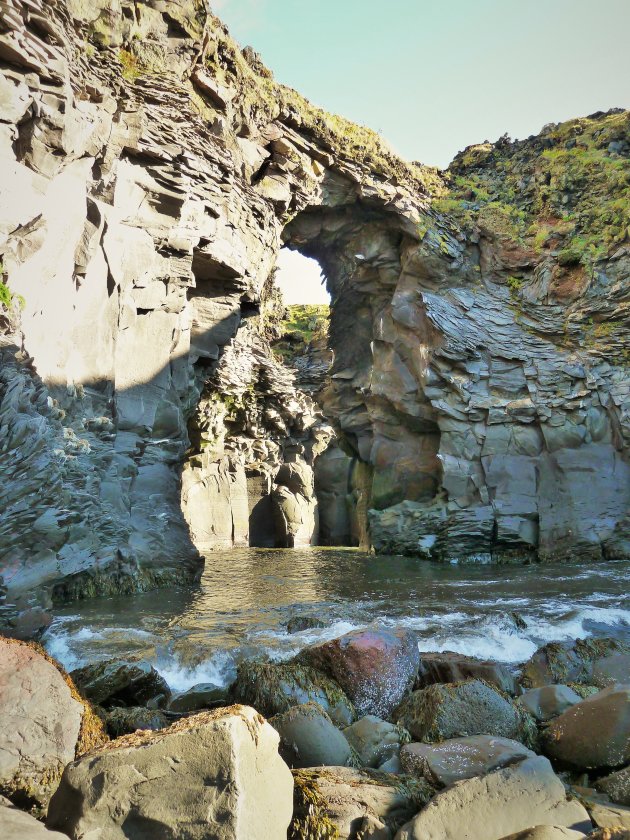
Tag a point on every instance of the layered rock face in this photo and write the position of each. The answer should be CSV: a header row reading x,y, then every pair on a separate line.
x,y
151,172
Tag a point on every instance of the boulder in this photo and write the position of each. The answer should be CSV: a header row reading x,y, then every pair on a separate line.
x,y
375,740
116,682
594,733
375,668
308,738
460,709
610,670
461,758
216,774
17,825
44,723
124,721
616,786
546,832
200,696
275,688
392,765
608,815
333,802
494,806
549,701
574,662
448,667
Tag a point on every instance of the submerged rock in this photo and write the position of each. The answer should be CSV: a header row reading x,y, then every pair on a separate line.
x,y
549,701
274,688
215,774
578,662
448,667
375,668
308,738
472,707
461,758
494,806
376,741
299,623
124,721
115,682
198,697
332,803
594,733
44,724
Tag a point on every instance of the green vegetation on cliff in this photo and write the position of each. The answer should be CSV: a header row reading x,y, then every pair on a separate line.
x,y
302,325
565,192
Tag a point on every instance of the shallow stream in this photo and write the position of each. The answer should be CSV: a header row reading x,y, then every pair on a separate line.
x,y
198,634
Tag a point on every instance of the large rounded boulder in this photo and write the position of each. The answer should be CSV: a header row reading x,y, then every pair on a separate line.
x,y
549,701
216,774
17,825
308,738
594,733
273,688
375,668
44,724
461,709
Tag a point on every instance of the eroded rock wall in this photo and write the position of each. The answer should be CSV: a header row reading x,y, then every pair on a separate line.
x,y
151,172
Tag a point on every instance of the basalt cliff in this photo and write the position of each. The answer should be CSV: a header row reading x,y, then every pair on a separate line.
x,y
477,403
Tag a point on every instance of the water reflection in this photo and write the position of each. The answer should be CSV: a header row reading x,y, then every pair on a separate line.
x,y
245,595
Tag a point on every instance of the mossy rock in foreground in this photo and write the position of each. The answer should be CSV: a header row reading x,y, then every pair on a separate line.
x,y
273,688
330,802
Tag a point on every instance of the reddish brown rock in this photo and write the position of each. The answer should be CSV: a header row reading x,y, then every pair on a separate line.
x,y
449,667
375,668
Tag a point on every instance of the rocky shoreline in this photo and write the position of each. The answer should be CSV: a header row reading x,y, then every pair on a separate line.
x,y
357,738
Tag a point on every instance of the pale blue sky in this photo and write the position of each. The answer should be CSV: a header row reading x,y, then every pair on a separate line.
x,y
434,76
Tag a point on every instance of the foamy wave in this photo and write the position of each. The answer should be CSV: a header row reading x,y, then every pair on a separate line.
x,y
495,637
572,625
219,669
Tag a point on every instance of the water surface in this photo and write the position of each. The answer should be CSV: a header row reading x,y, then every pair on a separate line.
x,y
198,634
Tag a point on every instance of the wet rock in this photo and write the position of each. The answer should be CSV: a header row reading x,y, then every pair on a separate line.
x,y
200,696
229,781
611,670
124,721
275,688
375,740
44,724
575,662
298,623
497,805
375,668
546,832
616,786
115,682
461,758
549,701
461,709
308,738
448,667
392,765
333,801
594,733
16,825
